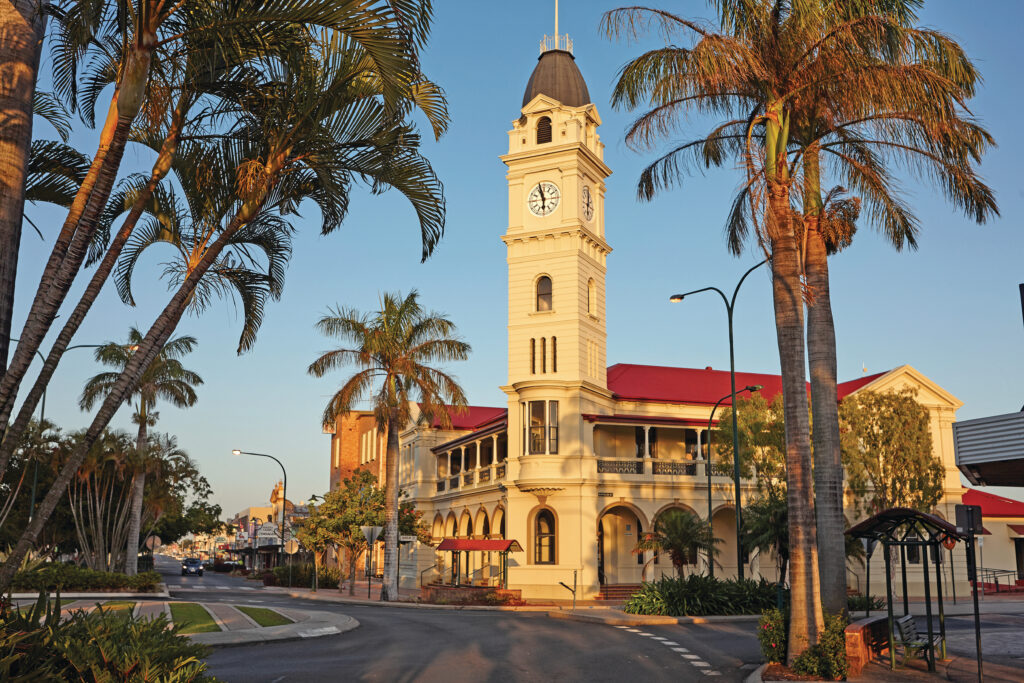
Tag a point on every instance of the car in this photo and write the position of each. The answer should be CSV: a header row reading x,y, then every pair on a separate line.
x,y
191,565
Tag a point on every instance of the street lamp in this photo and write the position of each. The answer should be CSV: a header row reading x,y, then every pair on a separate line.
x,y
730,305
284,496
735,457
42,419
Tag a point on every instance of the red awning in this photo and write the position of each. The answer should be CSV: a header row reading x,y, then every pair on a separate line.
x,y
1017,528
484,544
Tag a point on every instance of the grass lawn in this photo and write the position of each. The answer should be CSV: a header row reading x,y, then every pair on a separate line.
x,y
123,607
264,616
192,618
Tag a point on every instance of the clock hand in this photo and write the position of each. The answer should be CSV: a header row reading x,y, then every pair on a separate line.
x,y
542,199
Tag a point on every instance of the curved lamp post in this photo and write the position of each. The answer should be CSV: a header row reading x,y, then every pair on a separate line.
x,y
42,418
284,496
730,305
707,467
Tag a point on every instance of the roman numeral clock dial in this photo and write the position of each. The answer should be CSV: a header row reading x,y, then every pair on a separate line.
x,y
543,198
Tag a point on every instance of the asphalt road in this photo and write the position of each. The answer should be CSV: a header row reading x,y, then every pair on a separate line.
x,y
394,644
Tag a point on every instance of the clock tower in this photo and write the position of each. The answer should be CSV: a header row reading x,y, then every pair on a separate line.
x,y
556,258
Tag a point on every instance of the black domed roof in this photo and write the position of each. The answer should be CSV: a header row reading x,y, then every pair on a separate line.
x,y
556,75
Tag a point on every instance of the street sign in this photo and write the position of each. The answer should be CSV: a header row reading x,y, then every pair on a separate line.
x,y
405,538
371,532
291,547
968,519
153,542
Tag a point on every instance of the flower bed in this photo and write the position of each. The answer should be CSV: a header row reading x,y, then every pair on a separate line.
x,y
68,578
698,595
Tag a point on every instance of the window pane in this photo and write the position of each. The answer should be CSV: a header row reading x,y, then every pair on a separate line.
x,y
544,534
553,426
537,427
544,293
554,354
543,354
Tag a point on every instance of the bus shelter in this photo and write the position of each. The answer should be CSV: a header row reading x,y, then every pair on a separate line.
x,y
483,545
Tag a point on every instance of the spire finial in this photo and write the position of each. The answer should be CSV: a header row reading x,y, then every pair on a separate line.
x,y
557,41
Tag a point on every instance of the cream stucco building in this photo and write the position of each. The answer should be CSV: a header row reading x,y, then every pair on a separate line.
x,y
585,457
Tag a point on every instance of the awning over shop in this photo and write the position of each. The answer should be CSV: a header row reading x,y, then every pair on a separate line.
x,y
1016,528
497,545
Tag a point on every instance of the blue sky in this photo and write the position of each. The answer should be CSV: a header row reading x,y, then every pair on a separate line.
x,y
950,309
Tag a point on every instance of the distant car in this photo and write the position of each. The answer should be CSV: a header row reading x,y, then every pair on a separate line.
x,y
191,565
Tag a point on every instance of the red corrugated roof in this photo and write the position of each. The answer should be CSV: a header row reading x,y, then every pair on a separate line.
x,y
690,385
473,417
484,544
993,505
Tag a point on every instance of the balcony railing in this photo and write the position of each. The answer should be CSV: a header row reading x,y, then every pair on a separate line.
x,y
675,467
620,466
453,483
440,486
467,479
485,474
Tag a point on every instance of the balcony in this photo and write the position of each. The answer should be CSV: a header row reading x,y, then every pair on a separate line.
x,y
620,466
476,477
662,468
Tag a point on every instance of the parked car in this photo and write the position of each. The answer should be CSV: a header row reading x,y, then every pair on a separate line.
x,y
191,565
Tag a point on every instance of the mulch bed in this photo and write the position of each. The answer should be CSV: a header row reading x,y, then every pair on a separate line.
x,y
778,672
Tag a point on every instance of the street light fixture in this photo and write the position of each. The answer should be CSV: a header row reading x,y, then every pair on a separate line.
x,y
284,496
707,464
730,305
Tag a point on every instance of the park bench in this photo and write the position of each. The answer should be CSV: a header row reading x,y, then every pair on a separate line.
x,y
913,642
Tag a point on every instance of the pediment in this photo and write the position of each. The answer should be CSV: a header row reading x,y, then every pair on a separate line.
x,y
907,377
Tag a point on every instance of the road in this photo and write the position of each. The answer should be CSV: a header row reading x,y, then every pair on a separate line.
x,y
394,644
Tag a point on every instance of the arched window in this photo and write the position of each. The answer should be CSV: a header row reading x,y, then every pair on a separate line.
x,y
543,130
533,356
543,293
554,354
591,298
543,354
544,538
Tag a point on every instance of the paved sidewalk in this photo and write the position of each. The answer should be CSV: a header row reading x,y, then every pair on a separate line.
x,y
308,624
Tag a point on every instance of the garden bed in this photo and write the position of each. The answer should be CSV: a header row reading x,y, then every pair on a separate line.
x,y
470,595
72,579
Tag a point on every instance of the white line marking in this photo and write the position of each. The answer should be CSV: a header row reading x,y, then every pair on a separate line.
x,y
680,649
649,635
621,627
701,664
632,630
691,656
712,673
670,642
658,638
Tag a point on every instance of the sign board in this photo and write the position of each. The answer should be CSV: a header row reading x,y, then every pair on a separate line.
x,y
405,538
371,532
869,546
968,519
153,542
291,547
267,529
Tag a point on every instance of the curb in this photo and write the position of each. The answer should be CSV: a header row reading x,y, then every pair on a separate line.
x,y
317,625
108,595
410,605
623,619
755,675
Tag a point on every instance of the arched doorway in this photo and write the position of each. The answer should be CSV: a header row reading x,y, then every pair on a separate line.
x,y
618,530
723,525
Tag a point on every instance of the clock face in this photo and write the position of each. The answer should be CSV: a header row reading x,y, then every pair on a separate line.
x,y
543,198
588,203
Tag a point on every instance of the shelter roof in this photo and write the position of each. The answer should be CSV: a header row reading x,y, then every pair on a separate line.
x,y
484,544
472,417
895,523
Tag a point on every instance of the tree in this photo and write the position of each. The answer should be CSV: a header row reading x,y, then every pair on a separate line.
x,y
328,119
391,349
681,535
766,528
164,379
887,452
762,440
766,71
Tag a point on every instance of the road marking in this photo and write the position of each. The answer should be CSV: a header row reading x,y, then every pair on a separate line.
x,y
633,630
691,656
680,649
621,627
670,642
712,673
649,635
700,664
658,638
319,632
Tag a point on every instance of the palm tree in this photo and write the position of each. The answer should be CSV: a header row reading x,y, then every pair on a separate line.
x,y
165,378
765,72
391,349
681,535
765,528
320,124
22,27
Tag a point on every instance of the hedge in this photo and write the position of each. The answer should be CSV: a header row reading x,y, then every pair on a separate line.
x,y
70,578
698,595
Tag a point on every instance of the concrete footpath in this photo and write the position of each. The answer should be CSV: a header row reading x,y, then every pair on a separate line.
x,y
239,629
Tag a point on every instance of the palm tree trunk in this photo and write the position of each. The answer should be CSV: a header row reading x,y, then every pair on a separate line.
x,y
92,290
805,602
72,243
131,558
389,589
22,27
828,468
161,330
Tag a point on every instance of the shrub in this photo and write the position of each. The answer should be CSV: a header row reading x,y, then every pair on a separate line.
x,y
700,595
69,578
827,658
771,634
860,603
302,576
95,646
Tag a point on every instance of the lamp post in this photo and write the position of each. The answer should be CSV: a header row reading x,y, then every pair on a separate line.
x,y
42,419
284,496
730,305
707,467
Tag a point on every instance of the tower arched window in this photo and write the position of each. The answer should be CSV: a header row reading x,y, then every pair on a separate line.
x,y
543,293
544,538
543,130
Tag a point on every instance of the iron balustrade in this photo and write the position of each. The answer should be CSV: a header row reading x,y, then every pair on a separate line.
x,y
688,469
620,466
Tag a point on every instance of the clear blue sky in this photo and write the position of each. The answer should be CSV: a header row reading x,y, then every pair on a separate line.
x,y
950,309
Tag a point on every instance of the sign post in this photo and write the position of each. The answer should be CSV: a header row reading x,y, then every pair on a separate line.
x,y
968,521
371,533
